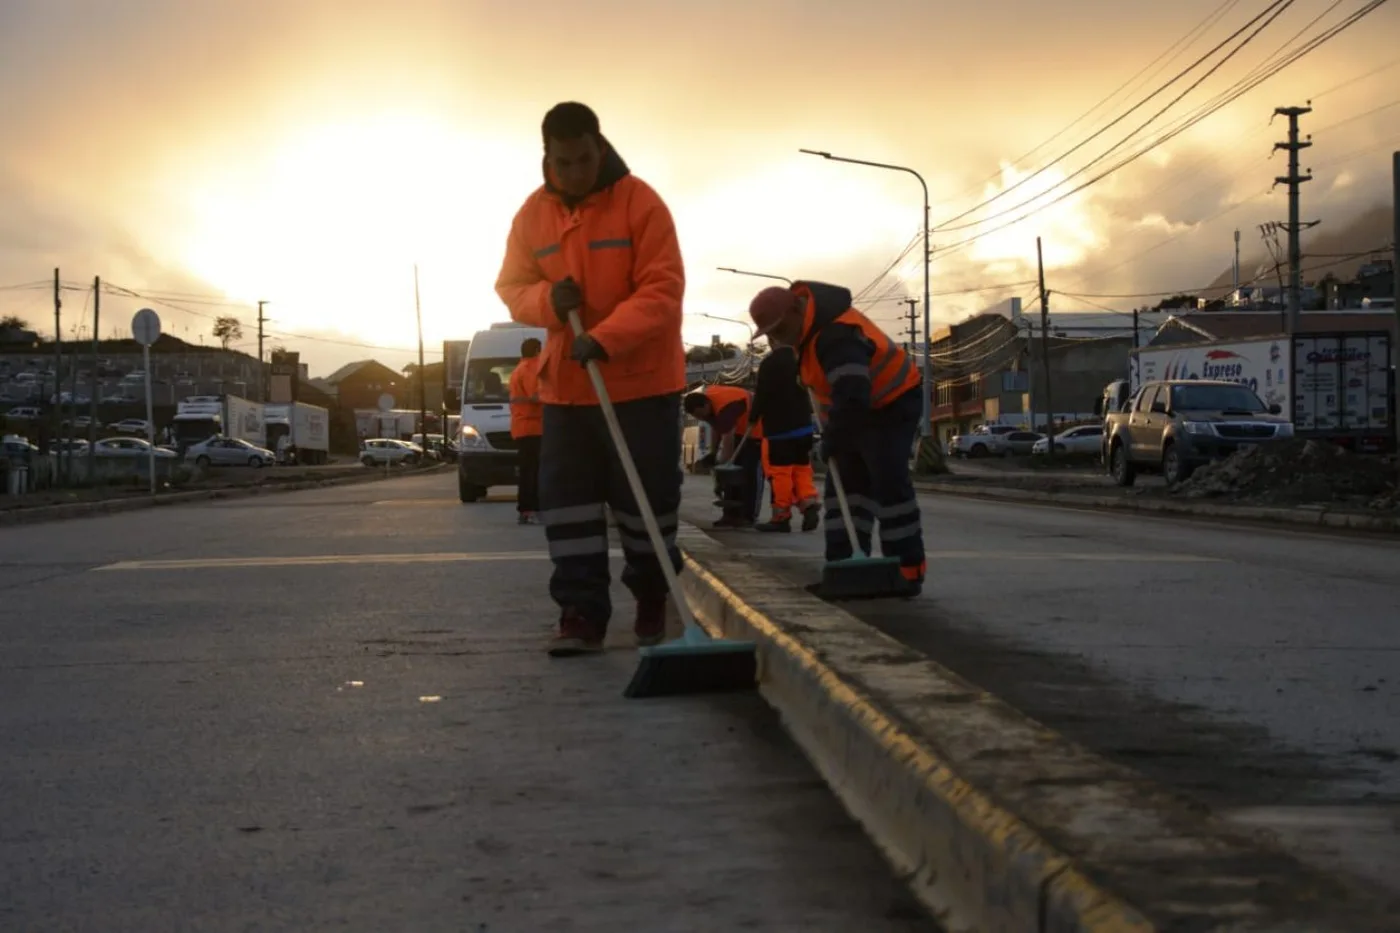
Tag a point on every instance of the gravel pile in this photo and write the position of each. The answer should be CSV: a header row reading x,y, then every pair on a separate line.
x,y
1296,472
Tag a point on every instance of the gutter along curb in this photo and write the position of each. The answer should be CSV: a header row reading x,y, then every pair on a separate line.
x,y
1310,517
48,513
996,823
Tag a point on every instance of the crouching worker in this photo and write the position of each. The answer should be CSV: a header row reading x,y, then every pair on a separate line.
x,y
726,410
526,427
784,413
869,392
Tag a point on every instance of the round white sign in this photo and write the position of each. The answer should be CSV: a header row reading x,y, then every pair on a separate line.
x,y
145,327
386,402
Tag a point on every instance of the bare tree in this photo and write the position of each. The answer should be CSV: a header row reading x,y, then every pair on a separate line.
x,y
227,330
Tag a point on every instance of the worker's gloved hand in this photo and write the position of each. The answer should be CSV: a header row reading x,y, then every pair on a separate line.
x,y
587,350
565,296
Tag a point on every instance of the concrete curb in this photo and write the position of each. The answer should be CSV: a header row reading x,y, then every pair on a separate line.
x,y
995,822
1319,517
49,513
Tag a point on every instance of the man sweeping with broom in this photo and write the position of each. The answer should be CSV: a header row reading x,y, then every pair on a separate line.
x,y
597,244
868,389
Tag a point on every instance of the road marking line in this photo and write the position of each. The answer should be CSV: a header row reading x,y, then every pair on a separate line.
x,y
438,503
1108,557
326,560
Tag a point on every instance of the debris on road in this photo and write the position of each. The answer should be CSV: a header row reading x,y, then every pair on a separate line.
x,y
1297,472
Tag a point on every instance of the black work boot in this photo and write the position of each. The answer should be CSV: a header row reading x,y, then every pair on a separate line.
x,y
781,525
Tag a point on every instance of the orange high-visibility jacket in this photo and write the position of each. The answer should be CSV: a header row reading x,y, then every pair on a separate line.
x,y
619,244
731,405
526,412
847,360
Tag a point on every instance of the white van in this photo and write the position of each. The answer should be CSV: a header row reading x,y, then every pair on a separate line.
x,y
485,449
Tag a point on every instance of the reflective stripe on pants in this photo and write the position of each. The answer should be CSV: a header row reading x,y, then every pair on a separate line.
x,y
580,474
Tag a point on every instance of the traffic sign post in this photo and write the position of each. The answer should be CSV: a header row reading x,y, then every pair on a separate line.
x,y
145,328
386,404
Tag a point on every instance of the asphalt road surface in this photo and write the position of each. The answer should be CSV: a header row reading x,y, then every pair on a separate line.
x,y
1255,669
331,710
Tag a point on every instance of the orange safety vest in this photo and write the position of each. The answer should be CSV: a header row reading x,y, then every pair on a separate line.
x,y
892,371
721,397
526,412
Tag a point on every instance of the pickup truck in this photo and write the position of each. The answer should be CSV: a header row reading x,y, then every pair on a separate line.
x,y
1176,426
985,440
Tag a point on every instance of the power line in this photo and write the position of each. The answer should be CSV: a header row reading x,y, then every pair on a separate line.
x,y
1342,258
1236,205
1153,144
1276,7
1282,6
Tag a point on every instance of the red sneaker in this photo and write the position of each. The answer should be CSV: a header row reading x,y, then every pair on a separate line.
x,y
650,626
576,635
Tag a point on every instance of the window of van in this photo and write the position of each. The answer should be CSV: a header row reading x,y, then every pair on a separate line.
x,y
488,380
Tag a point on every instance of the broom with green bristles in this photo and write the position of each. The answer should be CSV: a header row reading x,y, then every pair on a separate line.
x,y
854,577
695,662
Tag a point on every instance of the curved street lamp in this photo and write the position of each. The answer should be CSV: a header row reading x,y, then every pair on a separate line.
x,y
926,427
757,275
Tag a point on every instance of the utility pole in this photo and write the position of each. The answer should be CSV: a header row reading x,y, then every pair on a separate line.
x,y
1395,279
93,381
913,304
262,370
422,381
1235,297
1135,371
1294,227
1045,349
56,410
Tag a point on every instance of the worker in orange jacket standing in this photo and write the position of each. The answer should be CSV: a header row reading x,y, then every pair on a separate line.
x,y
781,408
869,391
596,239
526,428
738,440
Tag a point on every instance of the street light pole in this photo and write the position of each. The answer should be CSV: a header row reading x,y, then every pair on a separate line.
x,y
730,320
757,275
926,424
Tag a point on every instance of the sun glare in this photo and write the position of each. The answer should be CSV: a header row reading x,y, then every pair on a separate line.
x,y
331,222
1067,229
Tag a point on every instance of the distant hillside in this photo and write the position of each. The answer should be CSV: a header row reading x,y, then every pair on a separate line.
x,y
1372,229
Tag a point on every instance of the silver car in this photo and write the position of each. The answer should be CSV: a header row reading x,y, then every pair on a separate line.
x,y
229,451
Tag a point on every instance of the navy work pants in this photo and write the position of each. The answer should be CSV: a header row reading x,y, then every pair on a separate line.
x,y
879,488
527,452
580,474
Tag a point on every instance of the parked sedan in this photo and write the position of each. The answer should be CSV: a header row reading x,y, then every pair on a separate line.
x,y
1019,443
129,447
131,426
1085,439
379,451
229,451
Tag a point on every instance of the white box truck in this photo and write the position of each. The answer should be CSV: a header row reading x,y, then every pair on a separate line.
x,y
486,453
199,417
1334,386
298,432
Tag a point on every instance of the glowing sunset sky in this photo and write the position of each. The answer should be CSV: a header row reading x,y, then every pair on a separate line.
x,y
308,152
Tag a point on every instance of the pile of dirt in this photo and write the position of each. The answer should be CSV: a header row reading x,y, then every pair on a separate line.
x,y
1297,472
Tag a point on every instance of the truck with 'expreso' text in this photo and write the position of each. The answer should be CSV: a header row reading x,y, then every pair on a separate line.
x,y
297,432
1333,386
